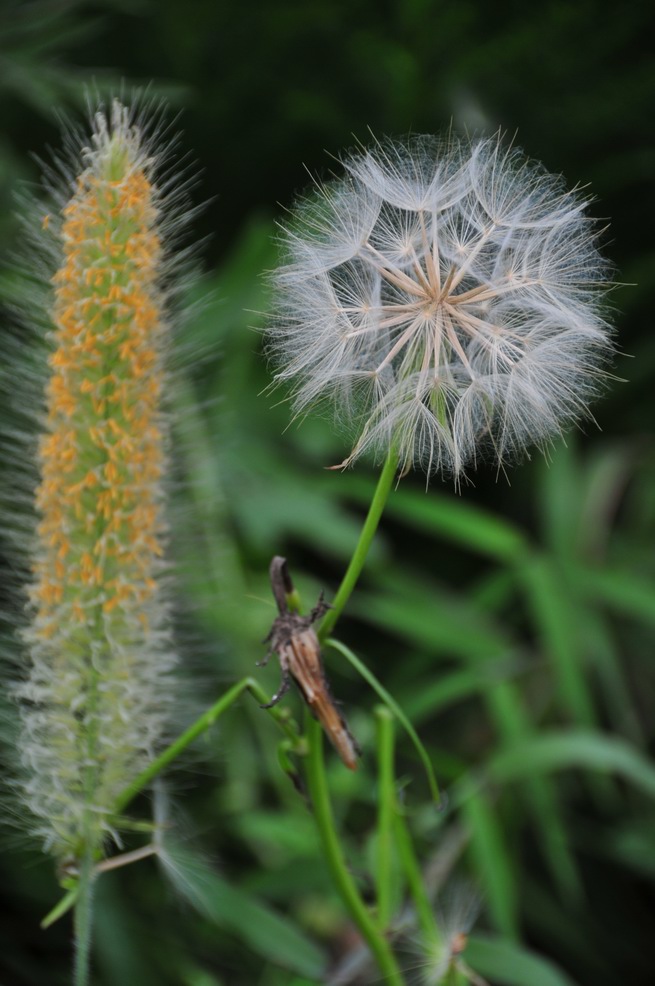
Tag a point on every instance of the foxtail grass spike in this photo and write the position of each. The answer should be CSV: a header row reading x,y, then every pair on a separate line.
x,y
95,702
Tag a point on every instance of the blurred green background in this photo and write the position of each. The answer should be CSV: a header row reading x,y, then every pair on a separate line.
x,y
514,623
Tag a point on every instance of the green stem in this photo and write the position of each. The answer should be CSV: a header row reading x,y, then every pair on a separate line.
x,y
88,846
456,976
196,729
83,921
207,719
386,807
317,780
316,777
318,790
426,919
358,559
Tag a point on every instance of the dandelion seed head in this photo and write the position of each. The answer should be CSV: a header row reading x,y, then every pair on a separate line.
x,y
455,917
445,296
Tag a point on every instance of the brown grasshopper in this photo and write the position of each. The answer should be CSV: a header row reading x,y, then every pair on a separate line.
x,y
293,638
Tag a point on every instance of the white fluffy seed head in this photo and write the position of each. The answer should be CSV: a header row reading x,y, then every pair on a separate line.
x,y
445,296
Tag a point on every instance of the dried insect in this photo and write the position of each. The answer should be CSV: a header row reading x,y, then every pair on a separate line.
x,y
293,638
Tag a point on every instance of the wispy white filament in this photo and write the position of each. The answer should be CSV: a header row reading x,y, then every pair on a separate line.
x,y
445,297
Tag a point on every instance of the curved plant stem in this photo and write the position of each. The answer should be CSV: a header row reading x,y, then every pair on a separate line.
x,y
316,777
393,706
73,896
318,790
317,780
201,724
358,559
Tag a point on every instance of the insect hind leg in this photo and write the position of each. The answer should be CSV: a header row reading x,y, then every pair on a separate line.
x,y
285,684
267,656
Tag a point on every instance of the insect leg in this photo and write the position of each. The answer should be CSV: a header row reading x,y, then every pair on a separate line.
x,y
272,639
319,610
267,656
285,684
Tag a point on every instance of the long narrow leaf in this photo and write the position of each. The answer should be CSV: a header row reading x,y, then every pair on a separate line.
x,y
454,627
562,750
550,599
391,703
507,709
453,687
270,935
453,519
629,594
492,858
507,964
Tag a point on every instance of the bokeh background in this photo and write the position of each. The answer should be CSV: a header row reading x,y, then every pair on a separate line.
x,y
515,622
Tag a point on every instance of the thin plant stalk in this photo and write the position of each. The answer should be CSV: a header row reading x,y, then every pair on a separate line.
x,y
83,921
83,913
358,559
343,881
412,870
317,780
385,821
456,977
201,725
316,777
75,895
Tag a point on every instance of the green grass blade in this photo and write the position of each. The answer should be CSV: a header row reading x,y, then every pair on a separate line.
x,y
270,935
391,703
493,862
574,749
432,696
560,502
508,712
384,841
623,591
602,652
455,627
506,964
453,519
550,599
61,907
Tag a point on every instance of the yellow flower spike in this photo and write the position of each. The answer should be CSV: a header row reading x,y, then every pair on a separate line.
x,y
95,703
